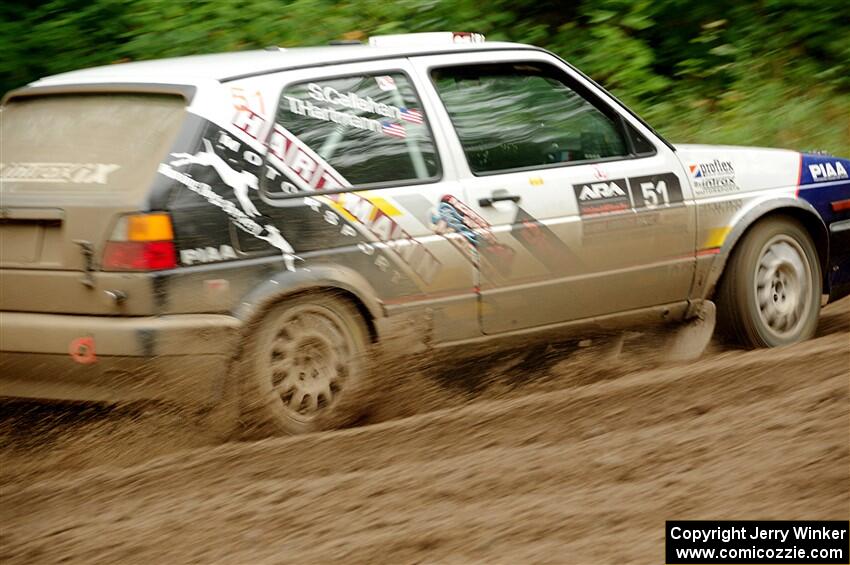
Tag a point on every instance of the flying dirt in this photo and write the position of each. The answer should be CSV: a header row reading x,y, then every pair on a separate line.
x,y
575,459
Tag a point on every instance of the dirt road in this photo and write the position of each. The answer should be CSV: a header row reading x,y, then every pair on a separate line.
x,y
581,463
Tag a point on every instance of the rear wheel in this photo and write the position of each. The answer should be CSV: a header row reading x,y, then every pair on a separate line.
x,y
301,363
770,293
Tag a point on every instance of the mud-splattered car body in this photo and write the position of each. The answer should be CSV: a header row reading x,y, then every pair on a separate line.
x,y
439,230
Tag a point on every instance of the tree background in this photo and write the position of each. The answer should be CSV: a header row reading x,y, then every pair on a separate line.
x,y
768,72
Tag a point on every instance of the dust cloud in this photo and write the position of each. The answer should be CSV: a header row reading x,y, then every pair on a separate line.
x,y
558,454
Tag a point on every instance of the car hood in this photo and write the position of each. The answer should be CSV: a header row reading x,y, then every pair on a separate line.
x,y
719,169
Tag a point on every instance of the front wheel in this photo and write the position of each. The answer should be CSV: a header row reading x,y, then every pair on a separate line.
x,y
770,292
302,364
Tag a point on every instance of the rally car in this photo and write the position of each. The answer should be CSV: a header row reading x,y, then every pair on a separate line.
x,y
247,225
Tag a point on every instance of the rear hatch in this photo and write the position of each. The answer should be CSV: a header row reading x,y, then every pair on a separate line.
x,y
70,166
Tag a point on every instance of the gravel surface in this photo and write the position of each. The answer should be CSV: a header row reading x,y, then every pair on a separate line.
x,y
574,460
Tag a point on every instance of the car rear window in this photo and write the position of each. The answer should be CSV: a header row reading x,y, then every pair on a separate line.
x,y
371,128
86,143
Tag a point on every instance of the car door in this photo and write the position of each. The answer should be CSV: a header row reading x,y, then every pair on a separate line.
x,y
351,177
587,212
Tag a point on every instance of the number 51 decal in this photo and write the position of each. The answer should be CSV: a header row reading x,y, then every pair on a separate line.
x,y
655,190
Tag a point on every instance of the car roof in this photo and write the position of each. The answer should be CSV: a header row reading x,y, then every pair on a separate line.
x,y
234,65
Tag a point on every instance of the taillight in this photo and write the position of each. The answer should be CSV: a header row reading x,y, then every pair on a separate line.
x,y
141,242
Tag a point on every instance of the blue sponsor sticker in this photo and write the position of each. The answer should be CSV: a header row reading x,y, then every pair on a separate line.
x,y
816,169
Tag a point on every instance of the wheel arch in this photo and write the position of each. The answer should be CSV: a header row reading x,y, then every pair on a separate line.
x,y
340,281
800,210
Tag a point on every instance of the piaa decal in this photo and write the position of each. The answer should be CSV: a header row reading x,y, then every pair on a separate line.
x,y
822,172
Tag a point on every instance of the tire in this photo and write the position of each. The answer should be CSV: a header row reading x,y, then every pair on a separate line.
x,y
770,294
301,363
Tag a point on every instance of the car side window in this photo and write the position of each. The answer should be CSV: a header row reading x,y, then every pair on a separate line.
x,y
640,145
370,128
515,116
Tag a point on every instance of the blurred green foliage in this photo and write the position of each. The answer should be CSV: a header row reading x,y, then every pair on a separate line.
x,y
769,72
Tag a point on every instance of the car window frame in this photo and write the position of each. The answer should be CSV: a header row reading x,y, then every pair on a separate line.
x,y
570,82
439,176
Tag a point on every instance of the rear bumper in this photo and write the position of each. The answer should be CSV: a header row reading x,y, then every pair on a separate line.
x,y
182,358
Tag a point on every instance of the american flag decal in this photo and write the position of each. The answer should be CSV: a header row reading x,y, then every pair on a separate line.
x,y
395,130
411,116
385,83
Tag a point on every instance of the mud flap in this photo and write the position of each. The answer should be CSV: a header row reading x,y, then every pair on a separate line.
x,y
406,334
691,338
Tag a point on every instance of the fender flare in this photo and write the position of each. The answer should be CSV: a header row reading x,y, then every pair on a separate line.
x,y
253,305
798,208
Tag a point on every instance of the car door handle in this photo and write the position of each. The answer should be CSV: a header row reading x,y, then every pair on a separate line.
x,y
487,202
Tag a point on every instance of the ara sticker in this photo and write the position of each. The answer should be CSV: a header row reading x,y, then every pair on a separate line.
x,y
599,197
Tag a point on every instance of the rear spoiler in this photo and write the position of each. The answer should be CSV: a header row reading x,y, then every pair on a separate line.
x,y
184,90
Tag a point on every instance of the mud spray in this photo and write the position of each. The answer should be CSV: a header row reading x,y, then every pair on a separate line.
x,y
556,453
